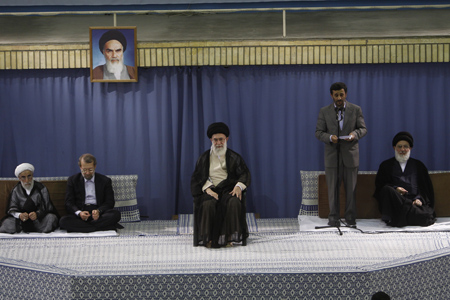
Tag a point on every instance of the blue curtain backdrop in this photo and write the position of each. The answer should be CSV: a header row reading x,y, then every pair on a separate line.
x,y
156,127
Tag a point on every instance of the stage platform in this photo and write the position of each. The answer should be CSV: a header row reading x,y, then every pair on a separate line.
x,y
284,259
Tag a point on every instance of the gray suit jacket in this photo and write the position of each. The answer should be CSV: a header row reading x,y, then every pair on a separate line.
x,y
327,126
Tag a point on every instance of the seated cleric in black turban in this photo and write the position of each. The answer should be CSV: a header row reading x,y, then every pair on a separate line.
x,y
218,185
218,127
403,187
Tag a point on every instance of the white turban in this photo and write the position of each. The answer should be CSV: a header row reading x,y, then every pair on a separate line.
x,y
23,167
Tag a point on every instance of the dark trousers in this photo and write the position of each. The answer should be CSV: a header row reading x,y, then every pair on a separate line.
x,y
107,221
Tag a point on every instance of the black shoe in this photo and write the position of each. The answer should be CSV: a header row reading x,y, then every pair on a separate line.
x,y
386,219
390,223
350,222
334,223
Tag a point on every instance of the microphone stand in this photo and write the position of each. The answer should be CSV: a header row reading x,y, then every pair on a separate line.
x,y
337,225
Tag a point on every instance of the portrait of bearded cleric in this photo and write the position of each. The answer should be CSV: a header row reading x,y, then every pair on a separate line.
x,y
113,54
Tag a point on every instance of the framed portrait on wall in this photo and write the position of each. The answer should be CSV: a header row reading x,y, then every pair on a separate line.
x,y
113,54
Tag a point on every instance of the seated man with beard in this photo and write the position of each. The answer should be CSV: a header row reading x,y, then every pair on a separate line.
x,y
218,184
29,206
113,44
403,187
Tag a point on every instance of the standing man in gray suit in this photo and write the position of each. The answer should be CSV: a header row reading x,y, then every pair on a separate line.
x,y
342,141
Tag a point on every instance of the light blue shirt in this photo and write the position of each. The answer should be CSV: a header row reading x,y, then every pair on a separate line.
x,y
89,186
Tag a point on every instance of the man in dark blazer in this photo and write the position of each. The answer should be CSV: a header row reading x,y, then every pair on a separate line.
x,y
89,200
345,140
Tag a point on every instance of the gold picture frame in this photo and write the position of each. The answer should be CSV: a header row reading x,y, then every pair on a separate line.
x,y
113,54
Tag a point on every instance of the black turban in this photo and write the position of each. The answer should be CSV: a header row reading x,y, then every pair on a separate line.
x,y
403,136
112,34
218,127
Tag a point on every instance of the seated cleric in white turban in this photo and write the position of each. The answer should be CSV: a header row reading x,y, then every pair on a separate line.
x,y
29,206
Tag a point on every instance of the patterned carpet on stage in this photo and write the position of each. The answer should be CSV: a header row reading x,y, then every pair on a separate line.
x,y
274,246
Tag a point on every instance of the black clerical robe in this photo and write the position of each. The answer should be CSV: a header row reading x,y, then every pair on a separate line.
x,y
218,224
38,201
399,208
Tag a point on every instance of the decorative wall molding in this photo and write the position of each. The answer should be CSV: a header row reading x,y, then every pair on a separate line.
x,y
230,53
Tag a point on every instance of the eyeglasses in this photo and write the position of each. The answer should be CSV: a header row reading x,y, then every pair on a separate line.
x,y
25,177
87,171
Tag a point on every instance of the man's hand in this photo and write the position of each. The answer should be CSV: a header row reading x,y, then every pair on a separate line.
x,y
32,216
212,193
84,215
334,139
417,202
95,214
401,191
237,192
23,216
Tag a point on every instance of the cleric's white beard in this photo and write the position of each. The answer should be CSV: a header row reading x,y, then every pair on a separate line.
x,y
115,68
402,158
28,186
220,151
